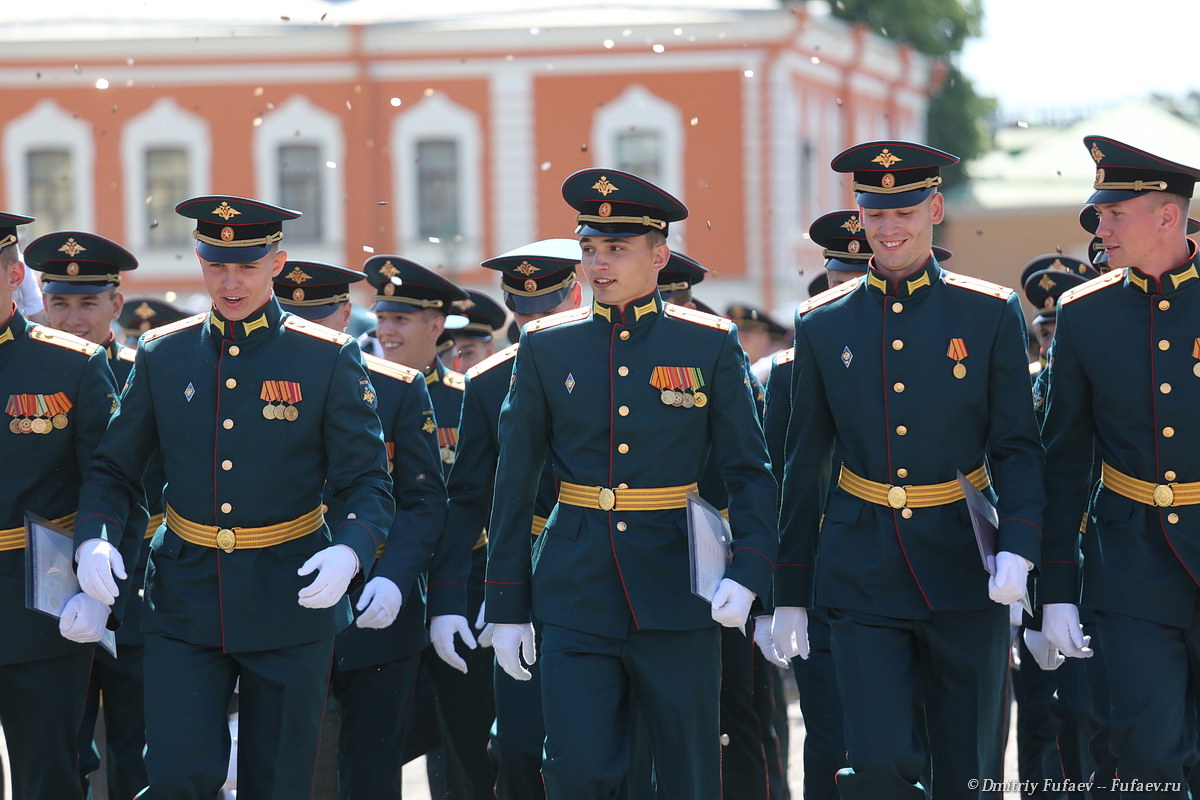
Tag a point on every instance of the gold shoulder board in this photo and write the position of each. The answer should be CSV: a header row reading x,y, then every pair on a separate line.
x,y
828,296
186,322
698,317
1095,284
127,354
66,341
507,354
455,380
301,325
785,356
391,369
561,318
977,285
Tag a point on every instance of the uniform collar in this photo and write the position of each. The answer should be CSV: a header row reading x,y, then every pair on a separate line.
x,y
14,328
111,347
264,319
637,311
909,286
1175,278
436,372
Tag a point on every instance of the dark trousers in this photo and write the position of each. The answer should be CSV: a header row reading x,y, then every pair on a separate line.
x,y
519,736
1038,726
41,705
770,704
1080,720
282,696
588,685
821,707
119,680
743,759
1153,676
957,661
373,705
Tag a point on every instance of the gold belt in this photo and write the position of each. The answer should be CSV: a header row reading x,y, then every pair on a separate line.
x,y
619,499
153,524
539,523
925,496
14,538
230,539
1162,495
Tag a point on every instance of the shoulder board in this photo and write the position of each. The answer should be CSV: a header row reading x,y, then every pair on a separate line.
x,y
828,296
977,285
507,354
1095,284
785,356
127,354
561,318
186,322
391,369
698,317
301,325
67,341
455,380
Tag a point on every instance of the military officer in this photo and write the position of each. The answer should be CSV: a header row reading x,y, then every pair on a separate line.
x,y
254,411
375,660
1120,387
81,273
629,396
140,314
473,328
1043,280
59,392
930,379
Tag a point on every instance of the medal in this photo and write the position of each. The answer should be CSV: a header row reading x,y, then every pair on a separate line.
x,y
59,421
26,425
667,397
447,455
1196,369
960,371
290,413
269,411
678,386
701,399
678,401
40,425
15,425
688,400
958,351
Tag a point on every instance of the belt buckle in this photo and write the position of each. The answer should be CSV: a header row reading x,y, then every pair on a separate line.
x,y
897,496
1164,495
606,499
226,539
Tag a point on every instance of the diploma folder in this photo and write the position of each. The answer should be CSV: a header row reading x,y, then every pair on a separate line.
x,y
49,573
710,547
986,522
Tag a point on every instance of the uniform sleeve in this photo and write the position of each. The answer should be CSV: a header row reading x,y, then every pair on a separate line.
x,y
1068,436
1015,456
524,433
740,454
775,417
419,491
808,450
470,485
357,459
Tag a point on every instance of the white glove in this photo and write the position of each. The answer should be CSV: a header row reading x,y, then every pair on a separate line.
x,y
335,566
1007,584
97,561
1045,654
766,644
789,630
442,629
83,619
1016,615
731,603
380,603
1060,623
485,628
511,641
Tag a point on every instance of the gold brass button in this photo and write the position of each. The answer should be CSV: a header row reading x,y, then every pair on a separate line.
x,y
1163,344
897,307
1169,475
622,370
897,344
622,485
624,335
901,430
1172,518
899,387
1168,431
1165,388
230,383
902,473
227,424
226,540
234,350
226,508
621,526
906,513
623,411
622,448
227,465
1163,305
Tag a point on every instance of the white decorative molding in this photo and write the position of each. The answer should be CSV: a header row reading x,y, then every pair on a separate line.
x,y
46,127
514,142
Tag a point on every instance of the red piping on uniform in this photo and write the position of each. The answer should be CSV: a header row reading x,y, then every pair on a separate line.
x,y
612,332
374,543
508,583
1038,528
97,516
217,552
752,550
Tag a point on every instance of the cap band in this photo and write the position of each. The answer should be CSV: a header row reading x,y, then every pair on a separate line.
x,y
844,255
647,221
7,240
568,281
408,301
1133,186
927,183
269,239
320,301
678,286
49,277
474,327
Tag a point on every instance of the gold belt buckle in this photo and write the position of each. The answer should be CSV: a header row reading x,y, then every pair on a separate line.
x,y
226,540
897,496
606,499
1164,495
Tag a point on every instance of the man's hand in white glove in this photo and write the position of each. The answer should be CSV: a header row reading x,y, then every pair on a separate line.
x,y
380,603
1008,581
789,629
442,630
1060,623
335,566
766,644
96,562
511,641
1045,654
731,603
83,619
486,629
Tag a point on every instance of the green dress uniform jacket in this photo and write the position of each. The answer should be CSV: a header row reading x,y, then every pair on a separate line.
x,y
585,393
199,392
903,402
44,470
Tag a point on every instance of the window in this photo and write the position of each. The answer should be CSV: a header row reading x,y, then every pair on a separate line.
x,y
438,188
166,185
49,191
48,155
640,152
300,189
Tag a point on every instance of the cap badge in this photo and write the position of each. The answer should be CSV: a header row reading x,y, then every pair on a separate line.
x,y
527,269
1096,154
72,268
227,234
298,275
605,210
297,294
847,356
852,225
463,305
189,392
225,211
888,180
1058,265
388,270
853,246
389,290
1049,302
1046,283
531,285
144,311
604,187
1099,176
72,248
886,158
569,383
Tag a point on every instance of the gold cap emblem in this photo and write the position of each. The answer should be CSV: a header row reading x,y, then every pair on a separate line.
x,y
886,158
225,211
1058,265
854,246
604,187
1046,283
531,285
72,268
389,290
1096,154
605,210
1099,178
227,234
888,180
388,270
144,311
525,268
297,294
298,275
852,225
72,248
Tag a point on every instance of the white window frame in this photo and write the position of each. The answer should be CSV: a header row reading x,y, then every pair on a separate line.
x,y
48,126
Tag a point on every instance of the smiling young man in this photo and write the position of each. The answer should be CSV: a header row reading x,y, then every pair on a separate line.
x,y
628,396
254,412
908,375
